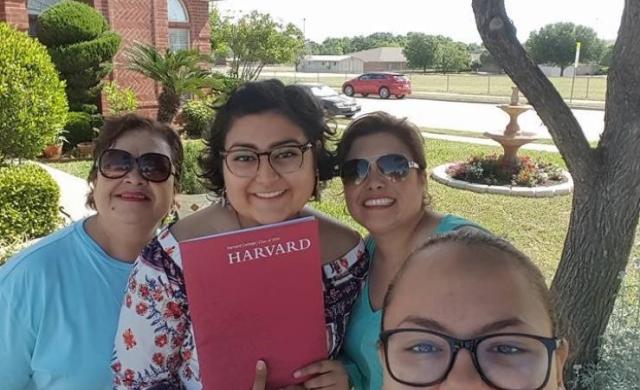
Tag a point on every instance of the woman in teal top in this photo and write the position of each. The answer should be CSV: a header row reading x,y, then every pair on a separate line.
x,y
383,169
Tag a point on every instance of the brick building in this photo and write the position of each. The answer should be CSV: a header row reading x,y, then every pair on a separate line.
x,y
174,24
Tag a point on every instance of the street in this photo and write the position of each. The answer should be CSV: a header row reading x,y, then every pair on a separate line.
x,y
478,117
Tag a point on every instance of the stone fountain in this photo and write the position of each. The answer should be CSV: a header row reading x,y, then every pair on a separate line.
x,y
512,138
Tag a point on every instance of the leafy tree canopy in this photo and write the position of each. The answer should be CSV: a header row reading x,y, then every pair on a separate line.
x,y
556,44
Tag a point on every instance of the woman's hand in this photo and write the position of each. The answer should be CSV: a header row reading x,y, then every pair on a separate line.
x,y
325,374
260,380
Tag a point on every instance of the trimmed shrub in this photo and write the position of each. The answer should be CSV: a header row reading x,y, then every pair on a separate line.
x,y
33,106
79,128
197,115
190,182
70,22
81,47
120,100
29,199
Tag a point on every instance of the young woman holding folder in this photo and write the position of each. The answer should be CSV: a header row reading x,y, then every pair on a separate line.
x,y
266,157
383,168
470,311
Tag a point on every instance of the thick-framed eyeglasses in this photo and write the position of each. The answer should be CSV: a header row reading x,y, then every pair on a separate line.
x,y
394,167
116,163
283,159
505,361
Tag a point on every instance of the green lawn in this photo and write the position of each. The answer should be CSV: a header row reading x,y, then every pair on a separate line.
x,y
585,88
537,226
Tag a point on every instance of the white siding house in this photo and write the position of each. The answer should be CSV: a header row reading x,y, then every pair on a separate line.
x,y
331,64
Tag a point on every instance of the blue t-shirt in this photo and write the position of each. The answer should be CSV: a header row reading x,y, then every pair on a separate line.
x,y
60,301
360,354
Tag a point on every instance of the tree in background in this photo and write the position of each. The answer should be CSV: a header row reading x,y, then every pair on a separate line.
x,y
81,47
33,106
451,56
178,73
254,41
556,44
421,50
606,197
346,45
436,52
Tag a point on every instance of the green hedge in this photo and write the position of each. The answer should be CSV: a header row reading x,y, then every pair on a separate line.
x,y
79,128
29,199
70,22
190,183
33,106
197,115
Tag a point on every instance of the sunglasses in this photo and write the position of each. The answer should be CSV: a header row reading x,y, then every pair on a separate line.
x,y
116,163
394,167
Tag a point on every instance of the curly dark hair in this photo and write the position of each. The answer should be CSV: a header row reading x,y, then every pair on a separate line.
x,y
292,101
116,127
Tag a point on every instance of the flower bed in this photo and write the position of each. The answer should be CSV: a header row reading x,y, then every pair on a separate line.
x,y
491,170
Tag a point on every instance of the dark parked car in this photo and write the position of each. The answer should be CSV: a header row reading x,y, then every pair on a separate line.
x,y
333,103
383,84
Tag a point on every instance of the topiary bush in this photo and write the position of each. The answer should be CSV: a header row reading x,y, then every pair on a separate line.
x,y
29,199
197,114
81,46
70,22
190,183
33,106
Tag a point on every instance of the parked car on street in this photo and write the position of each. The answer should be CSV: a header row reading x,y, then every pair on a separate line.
x,y
333,103
383,84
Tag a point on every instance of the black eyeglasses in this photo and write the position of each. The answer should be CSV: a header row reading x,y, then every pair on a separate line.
x,y
394,167
116,163
505,361
283,159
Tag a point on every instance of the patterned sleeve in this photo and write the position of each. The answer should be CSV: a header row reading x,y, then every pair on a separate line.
x,y
343,280
154,345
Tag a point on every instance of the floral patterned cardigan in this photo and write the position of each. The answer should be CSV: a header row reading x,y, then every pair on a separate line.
x,y
154,344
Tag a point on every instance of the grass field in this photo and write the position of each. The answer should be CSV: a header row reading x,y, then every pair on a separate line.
x,y
585,88
537,226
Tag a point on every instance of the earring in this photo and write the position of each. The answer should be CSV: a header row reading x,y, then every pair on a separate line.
x,y
223,198
317,189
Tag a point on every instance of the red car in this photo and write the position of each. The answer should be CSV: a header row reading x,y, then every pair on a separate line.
x,y
383,84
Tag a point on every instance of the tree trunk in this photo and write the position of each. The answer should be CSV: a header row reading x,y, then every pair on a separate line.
x,y
562,68
606,201
168,105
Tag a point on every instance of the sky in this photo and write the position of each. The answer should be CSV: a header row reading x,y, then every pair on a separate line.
x,y
321,19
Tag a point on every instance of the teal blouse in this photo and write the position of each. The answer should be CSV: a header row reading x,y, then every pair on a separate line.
x,y
360,353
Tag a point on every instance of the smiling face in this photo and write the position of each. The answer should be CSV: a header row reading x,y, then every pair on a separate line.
x,y
132,199
467,292
268,196
379,204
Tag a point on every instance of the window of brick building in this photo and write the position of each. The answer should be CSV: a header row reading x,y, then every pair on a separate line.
x,y
179,31
34,9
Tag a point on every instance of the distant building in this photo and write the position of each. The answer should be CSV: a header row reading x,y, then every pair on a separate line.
x,y
372,60
330,64
382,59
172,24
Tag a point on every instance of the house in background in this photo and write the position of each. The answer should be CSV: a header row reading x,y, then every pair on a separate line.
x,y
382,59
165,24
331,64
372,60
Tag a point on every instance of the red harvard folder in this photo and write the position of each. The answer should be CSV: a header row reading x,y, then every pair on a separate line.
x,y
256,294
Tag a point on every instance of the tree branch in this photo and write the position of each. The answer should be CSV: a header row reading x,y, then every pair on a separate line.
x,y
622,120
499,36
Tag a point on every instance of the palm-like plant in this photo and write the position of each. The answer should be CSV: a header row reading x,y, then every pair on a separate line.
x,y
179,73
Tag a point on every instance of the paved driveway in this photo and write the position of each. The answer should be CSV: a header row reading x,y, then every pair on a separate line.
x,y
478,117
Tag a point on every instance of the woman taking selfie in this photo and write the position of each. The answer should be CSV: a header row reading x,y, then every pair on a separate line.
x,y
469,311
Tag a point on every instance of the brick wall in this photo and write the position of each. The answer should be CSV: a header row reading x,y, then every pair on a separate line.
x,y
14,12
